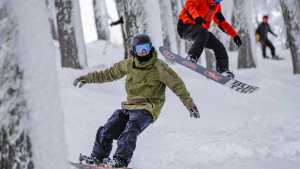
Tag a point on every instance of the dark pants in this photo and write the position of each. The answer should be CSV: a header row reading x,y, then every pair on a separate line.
x,y
125,126
267,43
203,38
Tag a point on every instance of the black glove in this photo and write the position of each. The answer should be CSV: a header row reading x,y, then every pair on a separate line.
x,y
194,113
237,40
79,82
199,21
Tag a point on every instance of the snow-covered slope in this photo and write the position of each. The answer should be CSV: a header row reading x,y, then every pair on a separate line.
x,y
259,131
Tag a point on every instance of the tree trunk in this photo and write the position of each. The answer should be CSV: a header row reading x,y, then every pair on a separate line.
x,y
176,7
168,30
210,59
31,120
101,19
291,15
246,31
121,11
15,143
134,17
52,19
72,47
140,19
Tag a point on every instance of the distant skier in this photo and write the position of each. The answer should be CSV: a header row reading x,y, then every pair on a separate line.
x,y
146,81
194,21
262,36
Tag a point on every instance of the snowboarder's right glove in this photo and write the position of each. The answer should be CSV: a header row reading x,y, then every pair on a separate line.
x,y
199,21
237,40
79,82
194,113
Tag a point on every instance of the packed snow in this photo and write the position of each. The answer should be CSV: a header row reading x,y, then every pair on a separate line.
x,y
258,131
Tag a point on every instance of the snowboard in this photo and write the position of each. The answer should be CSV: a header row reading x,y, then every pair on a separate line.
x,y
234,84
88,166
277,58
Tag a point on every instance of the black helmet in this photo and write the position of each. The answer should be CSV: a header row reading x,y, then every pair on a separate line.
x,y
140,39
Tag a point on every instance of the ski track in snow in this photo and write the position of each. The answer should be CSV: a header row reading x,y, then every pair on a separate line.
x,y
259,131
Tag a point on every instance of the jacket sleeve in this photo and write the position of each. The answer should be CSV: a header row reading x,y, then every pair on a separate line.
x,y
191,7
117,71
220,20
270,30
174,82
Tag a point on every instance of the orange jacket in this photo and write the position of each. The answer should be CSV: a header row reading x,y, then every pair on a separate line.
x,y
202,8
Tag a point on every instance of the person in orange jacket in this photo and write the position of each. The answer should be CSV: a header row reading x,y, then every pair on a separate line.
x,y
194,21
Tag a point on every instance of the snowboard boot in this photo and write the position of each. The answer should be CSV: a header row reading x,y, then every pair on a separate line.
x,y
275,57
192,58
117,163
105,161
93,160
228,73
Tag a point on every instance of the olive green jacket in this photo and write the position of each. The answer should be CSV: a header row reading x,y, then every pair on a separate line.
x,y
145,83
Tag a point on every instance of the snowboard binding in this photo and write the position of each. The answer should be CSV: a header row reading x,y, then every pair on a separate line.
x,y
90,160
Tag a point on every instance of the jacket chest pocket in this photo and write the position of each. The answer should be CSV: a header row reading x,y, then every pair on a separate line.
x,y
146,79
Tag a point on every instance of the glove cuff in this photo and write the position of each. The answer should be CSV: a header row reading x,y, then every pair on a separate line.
x,y
199,20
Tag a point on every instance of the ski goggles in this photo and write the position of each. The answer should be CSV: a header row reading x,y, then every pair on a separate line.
x,y
218,1
143,49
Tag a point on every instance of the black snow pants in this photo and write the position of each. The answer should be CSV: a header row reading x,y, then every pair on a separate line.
x,y
124,126
203,38
267,43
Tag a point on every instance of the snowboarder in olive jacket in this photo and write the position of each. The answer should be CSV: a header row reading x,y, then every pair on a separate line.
x,y
146,81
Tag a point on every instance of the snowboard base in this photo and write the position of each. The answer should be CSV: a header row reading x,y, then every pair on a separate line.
x,y
233,84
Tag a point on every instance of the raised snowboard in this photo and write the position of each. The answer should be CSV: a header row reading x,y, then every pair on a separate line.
x,y
213,75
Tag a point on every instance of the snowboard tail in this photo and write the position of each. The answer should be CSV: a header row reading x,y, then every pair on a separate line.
x,y
211,74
